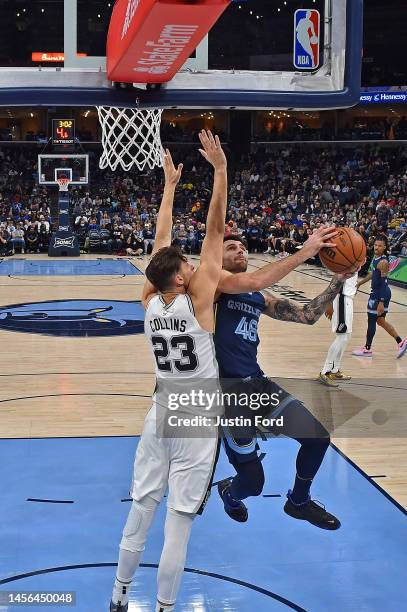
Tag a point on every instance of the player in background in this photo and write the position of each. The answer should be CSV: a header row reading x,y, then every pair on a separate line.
x,y
236,341
341,315
379,300
179,323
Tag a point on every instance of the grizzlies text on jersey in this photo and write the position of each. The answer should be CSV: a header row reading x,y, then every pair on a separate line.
x,y
236,338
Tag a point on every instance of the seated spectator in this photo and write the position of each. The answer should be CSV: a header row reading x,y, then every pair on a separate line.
x,y
115,243
32,239
17,238
4,241
148,237
135,243
180,236
43,238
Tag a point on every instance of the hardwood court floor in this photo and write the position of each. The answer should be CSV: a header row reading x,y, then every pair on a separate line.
x,y
64,386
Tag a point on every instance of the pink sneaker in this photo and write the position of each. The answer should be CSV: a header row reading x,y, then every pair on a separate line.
x,y
362,352
402,348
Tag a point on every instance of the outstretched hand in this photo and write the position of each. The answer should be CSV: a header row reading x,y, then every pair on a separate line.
x,y
212,150
172,174
319,239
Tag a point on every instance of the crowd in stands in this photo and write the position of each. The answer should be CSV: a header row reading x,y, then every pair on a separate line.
x,y
25,219
277,196
379,128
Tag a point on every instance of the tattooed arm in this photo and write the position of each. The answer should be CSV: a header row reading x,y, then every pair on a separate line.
x,y
286,310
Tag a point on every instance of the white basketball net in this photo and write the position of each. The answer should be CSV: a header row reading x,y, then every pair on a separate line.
x,y
130,136
63,184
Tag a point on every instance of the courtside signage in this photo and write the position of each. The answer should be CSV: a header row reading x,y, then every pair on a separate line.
x,y
307,37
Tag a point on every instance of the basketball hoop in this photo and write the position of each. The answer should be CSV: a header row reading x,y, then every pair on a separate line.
x,y
130,136
63,183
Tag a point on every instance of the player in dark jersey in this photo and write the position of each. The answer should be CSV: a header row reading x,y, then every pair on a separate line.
x,y
379,300
236,342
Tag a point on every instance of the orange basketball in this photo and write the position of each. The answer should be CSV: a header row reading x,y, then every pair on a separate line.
x,y
349,253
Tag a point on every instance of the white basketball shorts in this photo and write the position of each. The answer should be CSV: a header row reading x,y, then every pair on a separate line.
x,y
183,465
342,317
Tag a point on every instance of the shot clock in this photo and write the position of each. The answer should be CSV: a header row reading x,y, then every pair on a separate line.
x,y
63,131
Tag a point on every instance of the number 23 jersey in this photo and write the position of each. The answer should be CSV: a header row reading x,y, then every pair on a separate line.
x,y
182,349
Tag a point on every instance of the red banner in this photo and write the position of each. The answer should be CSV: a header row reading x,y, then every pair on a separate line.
x,y
150,40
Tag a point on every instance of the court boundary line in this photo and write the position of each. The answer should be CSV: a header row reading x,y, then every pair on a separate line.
x,y
188,570
369,479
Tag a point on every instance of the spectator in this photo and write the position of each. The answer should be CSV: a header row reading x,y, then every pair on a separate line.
x,y
17,238
148,237
32,239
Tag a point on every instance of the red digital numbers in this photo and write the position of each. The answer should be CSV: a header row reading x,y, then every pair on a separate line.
x,y
62,133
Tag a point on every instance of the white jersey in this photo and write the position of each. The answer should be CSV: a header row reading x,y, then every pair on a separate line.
x,y
350,286
182,460
182,349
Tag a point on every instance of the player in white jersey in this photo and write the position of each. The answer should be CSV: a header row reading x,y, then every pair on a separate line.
x,y
341,315
179,323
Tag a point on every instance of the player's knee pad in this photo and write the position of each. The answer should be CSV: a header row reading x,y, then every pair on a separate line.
x,y
138,522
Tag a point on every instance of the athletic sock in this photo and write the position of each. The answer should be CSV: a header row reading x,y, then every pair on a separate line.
x,y
121,591
160,607
398,339
300,492
368,346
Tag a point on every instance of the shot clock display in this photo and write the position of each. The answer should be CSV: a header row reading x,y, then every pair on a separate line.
x,y
63,131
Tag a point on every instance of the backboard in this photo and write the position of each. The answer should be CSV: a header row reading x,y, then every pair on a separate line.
x,y
53,167
54,53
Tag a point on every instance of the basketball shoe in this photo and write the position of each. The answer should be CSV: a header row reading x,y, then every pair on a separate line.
x,y
118,607
313,512
402,348
326,379
235,508
339,376
362,352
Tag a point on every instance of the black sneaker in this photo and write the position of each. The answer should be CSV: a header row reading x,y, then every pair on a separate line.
x,y
313,512
118,607
236,512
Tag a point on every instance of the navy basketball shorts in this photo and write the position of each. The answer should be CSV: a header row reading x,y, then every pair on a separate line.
x,y
373,303
240,437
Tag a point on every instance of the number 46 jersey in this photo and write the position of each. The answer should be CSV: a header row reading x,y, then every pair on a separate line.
x,y
236,339
182,349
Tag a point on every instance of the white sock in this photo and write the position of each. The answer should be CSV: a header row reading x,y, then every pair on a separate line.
x,y
176,537
132,546
343,341
160,607
335,353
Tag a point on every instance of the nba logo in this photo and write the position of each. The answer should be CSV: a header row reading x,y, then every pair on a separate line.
x,y
306,39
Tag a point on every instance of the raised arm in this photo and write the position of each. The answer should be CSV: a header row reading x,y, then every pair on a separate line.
x,y
164,221
243,282
205,280
286,310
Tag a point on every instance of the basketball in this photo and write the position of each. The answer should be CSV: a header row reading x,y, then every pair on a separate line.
x,y
314,40
348,254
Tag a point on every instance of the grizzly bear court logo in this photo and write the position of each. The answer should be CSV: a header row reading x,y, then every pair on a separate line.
x,y
74,318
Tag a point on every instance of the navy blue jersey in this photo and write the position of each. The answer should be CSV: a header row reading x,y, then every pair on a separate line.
x,y
236,338
380,286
